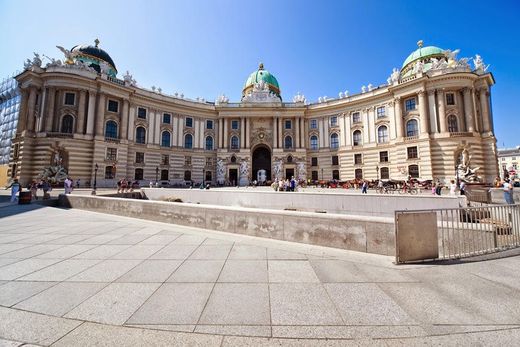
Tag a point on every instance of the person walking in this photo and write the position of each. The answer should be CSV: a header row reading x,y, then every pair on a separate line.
x,y
364,187
462,188
507,187
453,187
68,185
46,187
15,188
34,190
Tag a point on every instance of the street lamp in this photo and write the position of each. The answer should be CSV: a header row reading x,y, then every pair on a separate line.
x,y
95,180
457,174
203,172
377,172
156,175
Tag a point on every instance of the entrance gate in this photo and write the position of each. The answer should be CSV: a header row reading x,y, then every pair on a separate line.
x,y
262,161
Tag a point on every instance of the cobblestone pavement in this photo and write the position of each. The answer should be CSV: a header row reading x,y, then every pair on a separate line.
x,y
72,278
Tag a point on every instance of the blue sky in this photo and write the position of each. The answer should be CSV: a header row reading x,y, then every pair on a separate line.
x,y
206,48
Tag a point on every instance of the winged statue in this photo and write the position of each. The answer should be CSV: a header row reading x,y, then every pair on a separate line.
x,y
68,55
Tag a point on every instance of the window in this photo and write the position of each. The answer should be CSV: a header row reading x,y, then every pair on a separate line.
x,y
412,152
358,159
513,158
70,99
234,124
189,122
382,134
413,171
381,112
141,112
288,124
111,154
356,117
209,162
409,104
187,175
166,118
165,159
140,135
335,160
383,157
314,161
358,173
16,151
453,126
334,121
335,174
290,159
334,141
188,141
209,143
187,161
314,124
209,124
314,175
450,99
164,175
138,174
288,142
113,106
67,124
412,129
165,139
139,157
209,176
314,142
356,137
110,172
234,142
111,130
385,174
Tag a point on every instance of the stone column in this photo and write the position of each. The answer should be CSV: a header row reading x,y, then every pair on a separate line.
x,y
484,110
157,125
91,114
100,115
459,100
124,120
24,105
398,118
226,145
468,110
297,120
423,112
477,120
242,132
280,132
31,119
49,116
366,128
151,127
81,112
326,135
275,132
220,140
131,119
442,111
248,132
347,131
433,112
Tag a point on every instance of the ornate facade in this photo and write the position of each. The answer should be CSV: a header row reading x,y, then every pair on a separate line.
x,y
431,117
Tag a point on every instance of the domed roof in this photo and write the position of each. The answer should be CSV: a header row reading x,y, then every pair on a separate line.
x,y
93,54
261,75
423,53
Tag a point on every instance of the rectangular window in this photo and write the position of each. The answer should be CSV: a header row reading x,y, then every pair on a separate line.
x,y
209,124
167,118
409,104
288,124
234,124
113,106
187,161
381,112
70,99
314,161
335,160
139,157
189,122
209,162
358,159
356,117
314,124
165,175
16,151
383,157
334,121
141,112
165,159
111,154
450,99
513,158
314,175
412,152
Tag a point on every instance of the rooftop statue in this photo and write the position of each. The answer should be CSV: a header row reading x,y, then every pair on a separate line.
x,y
478,62
69,56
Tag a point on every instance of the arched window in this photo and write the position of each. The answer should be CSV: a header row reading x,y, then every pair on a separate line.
x,y
140,135
453,125
188,141
359,174
288,142
314,142
382,134
234,142
290,159
335,174
209,143
412,129
67,124
187,175
413,171
357,138
165,139
334,141
385,174
111,130
138,175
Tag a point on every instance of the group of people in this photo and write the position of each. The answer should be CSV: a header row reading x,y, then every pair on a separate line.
x,y
33,187
124,185
287,185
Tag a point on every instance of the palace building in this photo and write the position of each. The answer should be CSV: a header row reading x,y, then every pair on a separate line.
x,y
77,117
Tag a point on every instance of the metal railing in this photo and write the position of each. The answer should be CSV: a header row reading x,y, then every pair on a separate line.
x,y
463,232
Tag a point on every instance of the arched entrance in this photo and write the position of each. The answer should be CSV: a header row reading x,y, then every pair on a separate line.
x,y
261,161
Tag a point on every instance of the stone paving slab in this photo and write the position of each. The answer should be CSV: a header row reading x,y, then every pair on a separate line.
x,y
198,271
14,292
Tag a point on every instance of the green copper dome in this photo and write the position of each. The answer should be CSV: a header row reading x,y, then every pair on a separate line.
x,y
423,53
261,75
94,56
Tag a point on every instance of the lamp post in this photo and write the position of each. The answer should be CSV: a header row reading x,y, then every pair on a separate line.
x,y
203,178
95,180
457,174
156,175
322,174
377,172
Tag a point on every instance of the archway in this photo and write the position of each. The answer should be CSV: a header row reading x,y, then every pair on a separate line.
x,y
261,161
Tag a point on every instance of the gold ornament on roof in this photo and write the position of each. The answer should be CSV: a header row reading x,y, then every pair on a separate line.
x,y
96,41
420,43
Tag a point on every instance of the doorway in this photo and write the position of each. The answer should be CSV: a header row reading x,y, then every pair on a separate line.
x,y
262,161
289,173
233,176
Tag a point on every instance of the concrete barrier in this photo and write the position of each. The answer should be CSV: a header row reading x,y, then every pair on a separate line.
x,y
357,233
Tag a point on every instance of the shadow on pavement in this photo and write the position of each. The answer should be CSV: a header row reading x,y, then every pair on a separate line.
x,y
10,209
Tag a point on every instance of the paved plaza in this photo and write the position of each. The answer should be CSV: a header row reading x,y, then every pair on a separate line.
x,y
70,278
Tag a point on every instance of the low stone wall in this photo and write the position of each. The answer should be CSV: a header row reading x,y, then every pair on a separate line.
x,y
363,234
497,195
